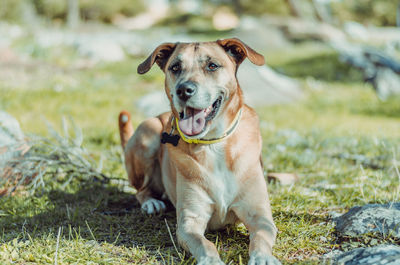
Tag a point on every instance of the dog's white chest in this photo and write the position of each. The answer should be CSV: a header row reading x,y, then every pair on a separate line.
x,y
222,183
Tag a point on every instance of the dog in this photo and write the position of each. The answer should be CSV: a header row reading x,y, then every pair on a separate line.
x,y
205,154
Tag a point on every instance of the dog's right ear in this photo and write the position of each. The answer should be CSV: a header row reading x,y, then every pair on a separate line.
x,y
160,55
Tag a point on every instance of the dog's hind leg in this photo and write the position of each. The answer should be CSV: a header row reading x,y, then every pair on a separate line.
x,y
141,161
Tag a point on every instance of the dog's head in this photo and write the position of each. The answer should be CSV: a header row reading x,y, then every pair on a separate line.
x,y
200,81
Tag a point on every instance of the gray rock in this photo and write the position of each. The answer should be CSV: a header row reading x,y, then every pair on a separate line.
x,y
153,104
386,83
268,36
376,218
380,69
387,254
102,50
263,86
329,257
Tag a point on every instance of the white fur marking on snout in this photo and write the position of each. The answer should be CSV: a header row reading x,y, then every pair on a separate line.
x,y
153,206
124,118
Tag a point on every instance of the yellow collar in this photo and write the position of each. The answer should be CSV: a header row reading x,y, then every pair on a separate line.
x,y
227,133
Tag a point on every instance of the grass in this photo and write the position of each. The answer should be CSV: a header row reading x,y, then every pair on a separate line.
x,y
341,140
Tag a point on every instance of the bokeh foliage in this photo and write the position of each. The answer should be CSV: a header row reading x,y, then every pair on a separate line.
x,y
377,12
101,10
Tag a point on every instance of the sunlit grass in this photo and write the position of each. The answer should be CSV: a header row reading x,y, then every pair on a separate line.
x,y
340,139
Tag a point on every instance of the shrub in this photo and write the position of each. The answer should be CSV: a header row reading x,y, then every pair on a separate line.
x,y
377,12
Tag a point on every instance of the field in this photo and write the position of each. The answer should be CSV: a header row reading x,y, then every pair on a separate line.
x,y
341,140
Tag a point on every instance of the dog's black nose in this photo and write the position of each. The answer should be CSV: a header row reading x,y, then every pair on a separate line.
x,y
186,90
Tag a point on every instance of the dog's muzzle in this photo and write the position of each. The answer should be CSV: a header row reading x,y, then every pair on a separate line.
x,y
193,121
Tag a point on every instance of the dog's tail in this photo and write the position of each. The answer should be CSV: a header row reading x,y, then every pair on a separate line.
x,y
125,127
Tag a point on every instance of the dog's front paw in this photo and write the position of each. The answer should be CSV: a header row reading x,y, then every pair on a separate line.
x,y
153,206
263,259
210,261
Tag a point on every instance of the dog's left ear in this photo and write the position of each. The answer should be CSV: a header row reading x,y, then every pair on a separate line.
x,y
160,55
239,51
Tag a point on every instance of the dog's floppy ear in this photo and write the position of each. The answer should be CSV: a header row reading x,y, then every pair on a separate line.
x,y
160,55
239,51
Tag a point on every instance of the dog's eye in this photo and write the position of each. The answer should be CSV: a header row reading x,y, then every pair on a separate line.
x,y
175,68
212,66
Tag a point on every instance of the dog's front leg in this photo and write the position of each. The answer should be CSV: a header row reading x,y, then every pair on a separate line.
x,y
262,235
193,214
255,212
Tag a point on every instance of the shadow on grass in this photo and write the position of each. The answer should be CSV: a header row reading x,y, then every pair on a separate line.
x,y
106,214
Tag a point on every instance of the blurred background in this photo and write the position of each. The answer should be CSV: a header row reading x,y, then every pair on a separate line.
x,y
58,46
328,100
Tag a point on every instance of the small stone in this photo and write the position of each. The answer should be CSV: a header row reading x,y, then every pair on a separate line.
x,y
283,178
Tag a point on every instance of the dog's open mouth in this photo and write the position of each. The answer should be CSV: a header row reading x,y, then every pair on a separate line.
x,y
193,121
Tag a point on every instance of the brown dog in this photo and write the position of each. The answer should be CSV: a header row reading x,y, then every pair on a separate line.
x,y
204,155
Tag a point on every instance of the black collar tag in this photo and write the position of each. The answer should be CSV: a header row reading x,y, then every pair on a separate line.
x,y
169,138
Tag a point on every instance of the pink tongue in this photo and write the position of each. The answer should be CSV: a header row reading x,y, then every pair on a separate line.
x,y
193,123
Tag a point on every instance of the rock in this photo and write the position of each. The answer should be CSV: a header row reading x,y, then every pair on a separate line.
x,y
386,254
96,44
376,218
283,178
298,29
380,69
263,86
102,50
330,256
268,36
334,214
356,30
386,83
153,104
